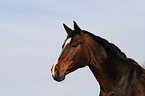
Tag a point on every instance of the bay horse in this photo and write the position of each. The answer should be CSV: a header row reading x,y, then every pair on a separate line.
x,y
117,75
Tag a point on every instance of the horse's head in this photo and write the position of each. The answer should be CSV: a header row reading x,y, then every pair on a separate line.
x,y
74,54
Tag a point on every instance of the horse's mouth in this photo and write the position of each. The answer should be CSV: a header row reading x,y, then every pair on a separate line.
x,y
59,79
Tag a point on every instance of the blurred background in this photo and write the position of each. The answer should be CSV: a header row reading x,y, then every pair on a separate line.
x,y
31,36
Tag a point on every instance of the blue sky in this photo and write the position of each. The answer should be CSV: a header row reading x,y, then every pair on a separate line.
x,y
31,35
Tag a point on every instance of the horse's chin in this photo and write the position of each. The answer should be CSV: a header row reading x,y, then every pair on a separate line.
x,y
59,79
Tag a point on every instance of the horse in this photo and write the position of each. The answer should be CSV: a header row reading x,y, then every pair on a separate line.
x,y
117,75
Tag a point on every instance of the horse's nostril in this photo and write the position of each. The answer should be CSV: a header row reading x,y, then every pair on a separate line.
x,y
56,72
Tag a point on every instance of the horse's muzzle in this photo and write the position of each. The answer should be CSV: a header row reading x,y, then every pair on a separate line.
x,y
58,76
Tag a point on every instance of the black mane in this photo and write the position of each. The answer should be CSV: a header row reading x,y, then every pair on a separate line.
x,y
111,47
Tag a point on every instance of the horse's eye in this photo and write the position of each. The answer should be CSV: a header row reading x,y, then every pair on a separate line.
x,y
75,44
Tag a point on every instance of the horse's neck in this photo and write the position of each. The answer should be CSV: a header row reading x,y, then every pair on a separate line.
x,y
109,73
106,67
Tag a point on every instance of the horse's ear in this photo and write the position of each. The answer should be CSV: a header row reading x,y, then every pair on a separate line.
x,y
76,27
68,30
